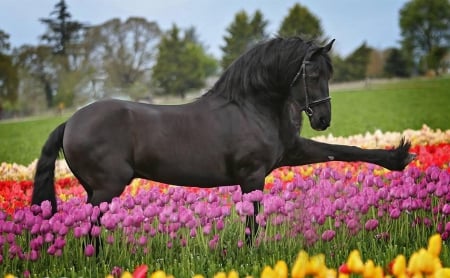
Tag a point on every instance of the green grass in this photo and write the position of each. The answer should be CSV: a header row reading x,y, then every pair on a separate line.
x,y
21,141
388,107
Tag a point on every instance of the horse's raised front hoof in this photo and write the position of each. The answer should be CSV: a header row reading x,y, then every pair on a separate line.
x,y
401,156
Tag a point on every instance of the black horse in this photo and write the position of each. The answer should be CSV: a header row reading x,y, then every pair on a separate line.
x,y
245,126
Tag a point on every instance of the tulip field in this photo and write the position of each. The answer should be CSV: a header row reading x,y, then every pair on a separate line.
x,y
331,219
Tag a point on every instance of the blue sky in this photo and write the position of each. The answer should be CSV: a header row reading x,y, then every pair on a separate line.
x,y
350,22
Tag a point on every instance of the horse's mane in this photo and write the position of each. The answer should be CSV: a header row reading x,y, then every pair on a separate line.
x,y
265,71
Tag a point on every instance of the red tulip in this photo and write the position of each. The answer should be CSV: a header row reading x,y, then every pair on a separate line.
x,y
140,271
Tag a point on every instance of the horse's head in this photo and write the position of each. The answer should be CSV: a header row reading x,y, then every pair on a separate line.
x,y
309,87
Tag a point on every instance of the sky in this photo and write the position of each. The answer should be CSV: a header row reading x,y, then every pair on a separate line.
x,y
350,22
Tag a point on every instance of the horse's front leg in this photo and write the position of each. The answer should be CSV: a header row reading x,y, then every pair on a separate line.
x,y
251,182
306,151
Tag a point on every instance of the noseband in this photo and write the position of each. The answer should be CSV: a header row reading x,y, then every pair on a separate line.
x,y
307,108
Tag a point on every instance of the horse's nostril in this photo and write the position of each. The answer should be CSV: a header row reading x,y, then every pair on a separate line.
x,y
323,121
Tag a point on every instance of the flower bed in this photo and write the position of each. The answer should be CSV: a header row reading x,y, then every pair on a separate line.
x,y
328,208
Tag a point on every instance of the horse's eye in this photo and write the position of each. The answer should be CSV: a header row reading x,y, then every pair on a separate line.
x,y
314,77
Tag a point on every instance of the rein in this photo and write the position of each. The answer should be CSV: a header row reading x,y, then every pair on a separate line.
x,y
307,108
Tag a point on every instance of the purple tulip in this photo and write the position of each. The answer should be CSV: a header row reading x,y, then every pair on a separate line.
x,y
245,208
51,250
394,213
328,235
33,255
142,240
446,209
95,231
310,237
220,225
103,207
48,237
371,224
60,242
447,227
169,244
89,250
240,244
46,208
213,242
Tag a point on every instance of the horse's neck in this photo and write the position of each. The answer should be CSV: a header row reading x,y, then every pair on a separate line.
x,y
290,122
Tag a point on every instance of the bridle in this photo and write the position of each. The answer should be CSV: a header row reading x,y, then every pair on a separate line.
x,y
307,108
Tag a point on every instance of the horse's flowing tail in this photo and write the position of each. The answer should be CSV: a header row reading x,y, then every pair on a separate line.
x,y
44,188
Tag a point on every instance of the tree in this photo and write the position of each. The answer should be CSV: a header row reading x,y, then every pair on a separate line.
x,y
353,67
62,32
396,64
39,63
123,51
182,63
4,41
64,38
8,75
301,22
425,30
243,33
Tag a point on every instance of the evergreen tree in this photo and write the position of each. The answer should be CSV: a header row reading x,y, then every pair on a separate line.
x,y
182,63
62,32
353,67
4,42
243,33
64,36
357,62
301,22
396,65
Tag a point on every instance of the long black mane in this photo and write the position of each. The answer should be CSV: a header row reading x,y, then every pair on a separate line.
x,y
265,71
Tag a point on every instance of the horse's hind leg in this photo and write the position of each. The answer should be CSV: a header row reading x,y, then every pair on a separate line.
x,y
107,188
103,188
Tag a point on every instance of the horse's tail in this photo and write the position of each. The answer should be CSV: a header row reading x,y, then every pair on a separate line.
x,y
44,188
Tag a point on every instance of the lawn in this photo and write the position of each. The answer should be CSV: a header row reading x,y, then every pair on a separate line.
x,y
21,141
388,107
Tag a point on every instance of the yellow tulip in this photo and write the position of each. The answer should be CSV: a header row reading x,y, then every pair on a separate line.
x,y
10,276
421,261
220,275
126,274
158,274
379,273
399,266
354,262
316,264
330,273
198,276
233,274
369,269
442,273
435,245
281,269
268,272
299,268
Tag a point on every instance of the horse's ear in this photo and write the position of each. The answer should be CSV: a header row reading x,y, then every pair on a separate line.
x,y
318,50
327,47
